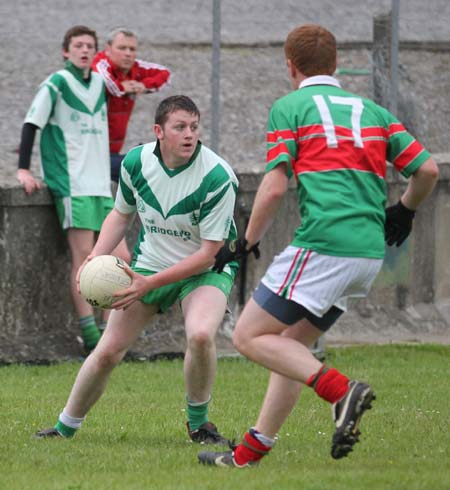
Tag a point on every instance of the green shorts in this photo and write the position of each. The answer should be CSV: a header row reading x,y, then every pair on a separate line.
x,y
166,296
87,212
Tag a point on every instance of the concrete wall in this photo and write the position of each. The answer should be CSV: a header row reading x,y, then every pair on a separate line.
x,y
409,301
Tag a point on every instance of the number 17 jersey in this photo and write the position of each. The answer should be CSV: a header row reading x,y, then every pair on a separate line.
x,y
336,144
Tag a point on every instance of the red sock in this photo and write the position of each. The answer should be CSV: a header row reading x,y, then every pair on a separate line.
x,y
250,449
329,384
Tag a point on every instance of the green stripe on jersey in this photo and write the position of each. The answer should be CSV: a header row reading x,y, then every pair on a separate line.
x,y
54,154
62,84
131,161
210,183
74,141
177,211
212,203
58,82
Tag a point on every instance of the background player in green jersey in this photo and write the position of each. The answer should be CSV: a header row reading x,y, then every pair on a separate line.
x,y
184,194
336,145
70,109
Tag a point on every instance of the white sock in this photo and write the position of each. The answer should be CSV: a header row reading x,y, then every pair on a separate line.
x,y
267,441
73,422
197,404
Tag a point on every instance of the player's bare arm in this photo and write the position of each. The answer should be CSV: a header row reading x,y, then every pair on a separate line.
x,y
420,184
113,231
267,201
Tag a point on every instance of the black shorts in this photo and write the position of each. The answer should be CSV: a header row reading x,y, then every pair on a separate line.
x,y
290,312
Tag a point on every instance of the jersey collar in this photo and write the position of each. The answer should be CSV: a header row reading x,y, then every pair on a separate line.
x,y
320,80
77,73
169,171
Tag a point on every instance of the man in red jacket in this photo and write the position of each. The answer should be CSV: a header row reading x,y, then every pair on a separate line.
x,y
125,78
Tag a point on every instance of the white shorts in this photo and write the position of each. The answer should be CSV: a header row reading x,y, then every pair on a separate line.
x,y
319,282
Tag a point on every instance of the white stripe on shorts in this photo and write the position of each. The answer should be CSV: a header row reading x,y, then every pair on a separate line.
x,y
318,281
68,221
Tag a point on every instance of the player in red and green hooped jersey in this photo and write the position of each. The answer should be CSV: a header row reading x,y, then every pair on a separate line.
x,y
185,195
335,144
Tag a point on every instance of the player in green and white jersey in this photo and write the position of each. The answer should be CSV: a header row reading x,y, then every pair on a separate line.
x,y
336,145
184,195
70,110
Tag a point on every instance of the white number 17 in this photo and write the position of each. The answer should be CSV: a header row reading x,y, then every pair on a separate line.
x,y
327,121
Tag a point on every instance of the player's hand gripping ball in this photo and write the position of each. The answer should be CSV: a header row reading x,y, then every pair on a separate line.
x,y
100,278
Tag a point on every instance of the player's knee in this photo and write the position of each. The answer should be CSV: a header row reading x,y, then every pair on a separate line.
x,y
200,340
240,341
108,360
79,255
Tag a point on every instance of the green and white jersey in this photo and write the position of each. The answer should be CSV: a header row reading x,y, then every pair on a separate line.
x,y
336,144
71,112
178,208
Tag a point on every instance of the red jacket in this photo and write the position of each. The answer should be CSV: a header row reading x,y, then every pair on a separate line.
x,y
120,104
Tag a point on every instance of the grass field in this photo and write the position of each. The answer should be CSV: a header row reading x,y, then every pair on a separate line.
x,y
135,437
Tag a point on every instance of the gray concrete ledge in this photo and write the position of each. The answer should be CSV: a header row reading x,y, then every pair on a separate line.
x,y
410,301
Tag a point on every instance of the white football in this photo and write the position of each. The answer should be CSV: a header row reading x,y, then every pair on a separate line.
x,y
101,277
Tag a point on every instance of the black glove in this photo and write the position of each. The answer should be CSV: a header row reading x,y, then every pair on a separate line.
x,y
398,224
233,250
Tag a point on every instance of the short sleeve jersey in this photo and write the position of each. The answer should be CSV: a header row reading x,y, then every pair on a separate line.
x,y
336,144
71,113
177,208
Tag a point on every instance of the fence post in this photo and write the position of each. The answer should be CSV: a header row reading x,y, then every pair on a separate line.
x,y
215,78
385,59
393,89
381,59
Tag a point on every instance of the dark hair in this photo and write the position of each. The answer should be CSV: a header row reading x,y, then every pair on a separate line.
x,y
312,50
76,31
173,104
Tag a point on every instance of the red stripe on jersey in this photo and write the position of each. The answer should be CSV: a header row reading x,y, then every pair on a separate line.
x,y
311,129
369,132
276,151
374,131
396,128
284,134
408,155
316,156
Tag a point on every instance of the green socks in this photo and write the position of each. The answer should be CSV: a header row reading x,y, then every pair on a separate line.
x,y
67,425
197,414
64,430
89,331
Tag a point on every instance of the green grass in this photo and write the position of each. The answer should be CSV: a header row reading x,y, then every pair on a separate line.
x,y
135,437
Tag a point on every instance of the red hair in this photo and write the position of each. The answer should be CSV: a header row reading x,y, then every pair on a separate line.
x,y
312,50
